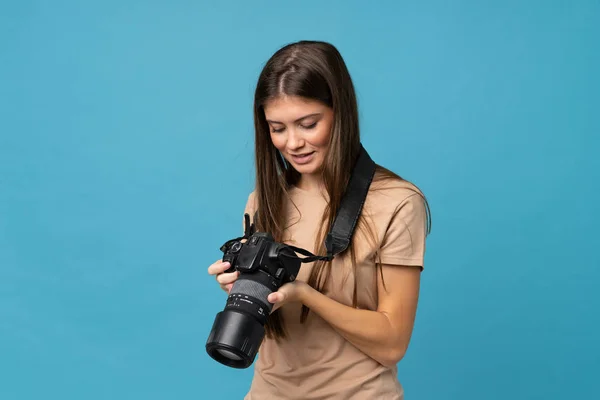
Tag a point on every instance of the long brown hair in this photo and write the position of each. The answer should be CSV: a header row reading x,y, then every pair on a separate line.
x,y
313,70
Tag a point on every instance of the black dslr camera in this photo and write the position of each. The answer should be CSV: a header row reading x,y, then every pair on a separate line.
x,y
264,267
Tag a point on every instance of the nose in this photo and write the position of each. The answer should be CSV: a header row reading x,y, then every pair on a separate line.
x,y
295,140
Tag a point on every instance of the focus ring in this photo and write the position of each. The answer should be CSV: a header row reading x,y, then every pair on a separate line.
x,y
251,288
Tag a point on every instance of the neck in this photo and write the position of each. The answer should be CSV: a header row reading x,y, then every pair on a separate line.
x,y
311,183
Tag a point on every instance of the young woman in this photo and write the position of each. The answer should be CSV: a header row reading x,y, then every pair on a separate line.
x,y
339,330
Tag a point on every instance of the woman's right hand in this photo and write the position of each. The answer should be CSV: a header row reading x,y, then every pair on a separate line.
x,y
225,280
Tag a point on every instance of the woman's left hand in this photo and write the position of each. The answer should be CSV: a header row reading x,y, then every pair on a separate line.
x,y
288,293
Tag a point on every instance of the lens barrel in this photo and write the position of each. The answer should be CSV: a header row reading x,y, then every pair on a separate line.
x,y
238,330
234,339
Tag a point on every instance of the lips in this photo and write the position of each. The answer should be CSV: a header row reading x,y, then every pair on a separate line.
x,y
302,155
302,158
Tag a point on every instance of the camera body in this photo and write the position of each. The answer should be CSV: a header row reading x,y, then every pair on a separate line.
x,y
264,266
261,252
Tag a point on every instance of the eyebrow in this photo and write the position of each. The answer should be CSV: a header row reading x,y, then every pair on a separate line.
x,y
298,120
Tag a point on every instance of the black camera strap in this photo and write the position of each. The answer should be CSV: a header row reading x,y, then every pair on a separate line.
x,y
338,239
344,224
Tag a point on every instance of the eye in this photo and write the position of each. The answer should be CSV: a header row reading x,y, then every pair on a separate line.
x,y
311,126
274,130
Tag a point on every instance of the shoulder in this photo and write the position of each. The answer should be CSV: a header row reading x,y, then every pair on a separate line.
x,y
400,214
389,193
394,203
252,197
251,202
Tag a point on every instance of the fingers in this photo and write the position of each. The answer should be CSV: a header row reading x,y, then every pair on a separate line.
x,y
275,297
218,267
225,280
227,286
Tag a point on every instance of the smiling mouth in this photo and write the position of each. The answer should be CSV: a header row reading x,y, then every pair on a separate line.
x,y
302,155
303,158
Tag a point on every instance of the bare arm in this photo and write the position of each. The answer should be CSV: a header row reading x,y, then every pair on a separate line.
x,y
383,334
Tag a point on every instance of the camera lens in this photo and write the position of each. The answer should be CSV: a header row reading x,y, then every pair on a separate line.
x,y
229,354
238,330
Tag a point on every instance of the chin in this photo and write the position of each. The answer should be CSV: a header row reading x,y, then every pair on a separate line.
x,y
310,168
306,169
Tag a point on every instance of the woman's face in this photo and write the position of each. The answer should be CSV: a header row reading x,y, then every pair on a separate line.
x,y
300,130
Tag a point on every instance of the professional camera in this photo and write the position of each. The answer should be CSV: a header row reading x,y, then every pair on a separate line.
x,y
264,267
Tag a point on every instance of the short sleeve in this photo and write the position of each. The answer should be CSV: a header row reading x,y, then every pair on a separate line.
x,y
404,239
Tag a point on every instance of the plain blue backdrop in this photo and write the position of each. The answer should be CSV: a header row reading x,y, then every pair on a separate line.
x,y
126,160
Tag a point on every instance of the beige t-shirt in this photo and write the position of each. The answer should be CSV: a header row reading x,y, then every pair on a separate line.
x,y
314,361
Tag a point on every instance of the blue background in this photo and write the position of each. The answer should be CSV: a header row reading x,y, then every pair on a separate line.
x,y
126,160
